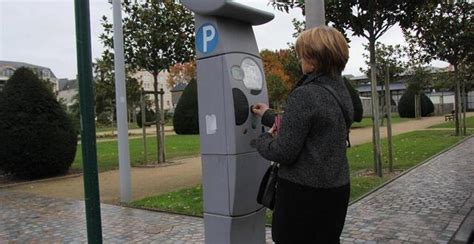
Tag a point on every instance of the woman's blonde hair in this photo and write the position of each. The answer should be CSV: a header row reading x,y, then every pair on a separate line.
x,y
325,48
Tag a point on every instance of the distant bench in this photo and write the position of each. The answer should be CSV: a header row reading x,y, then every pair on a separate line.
x,y
449,116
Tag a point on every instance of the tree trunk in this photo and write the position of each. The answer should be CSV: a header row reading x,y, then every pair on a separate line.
x,y
457,102
388,104
464,107
157,121
143,115
418,106
375,110
162,126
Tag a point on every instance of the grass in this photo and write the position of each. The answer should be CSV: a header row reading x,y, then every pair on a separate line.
x,y
187,201
176,146
131,126
410,149
450,124
367,122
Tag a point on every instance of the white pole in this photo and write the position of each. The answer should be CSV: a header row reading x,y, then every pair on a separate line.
x,y
121,103
315,14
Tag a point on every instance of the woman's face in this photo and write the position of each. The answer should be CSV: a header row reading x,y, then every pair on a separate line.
x,y
306,67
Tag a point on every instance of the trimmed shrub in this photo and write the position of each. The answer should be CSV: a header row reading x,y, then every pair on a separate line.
x,y
356,102
37,137
406,105
104,119
186,117
149,116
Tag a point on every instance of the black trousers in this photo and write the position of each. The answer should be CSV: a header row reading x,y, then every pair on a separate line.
x,y
305,214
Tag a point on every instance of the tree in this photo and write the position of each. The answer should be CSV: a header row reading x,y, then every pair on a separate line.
x,y
105,87
181,73
186,117
369,19
37,138
444,31
386,56
277,78
388,59
157,35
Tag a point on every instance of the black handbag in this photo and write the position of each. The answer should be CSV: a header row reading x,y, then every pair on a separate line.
x,y
267,189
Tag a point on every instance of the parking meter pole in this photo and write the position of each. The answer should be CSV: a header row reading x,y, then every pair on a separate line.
x,y
230,79
88,137
315,13
121,103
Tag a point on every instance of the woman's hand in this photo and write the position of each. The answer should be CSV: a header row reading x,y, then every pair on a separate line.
x,y
259,109
272,130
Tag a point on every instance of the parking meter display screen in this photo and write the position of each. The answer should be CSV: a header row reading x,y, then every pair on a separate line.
x,y
253,77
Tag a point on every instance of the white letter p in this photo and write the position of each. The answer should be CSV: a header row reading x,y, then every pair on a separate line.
x,y
208,35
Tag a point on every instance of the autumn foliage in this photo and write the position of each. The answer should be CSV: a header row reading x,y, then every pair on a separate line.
x,y
281,70
181,73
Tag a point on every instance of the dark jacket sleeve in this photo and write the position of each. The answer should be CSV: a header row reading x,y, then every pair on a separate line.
x,y
296,123
268,118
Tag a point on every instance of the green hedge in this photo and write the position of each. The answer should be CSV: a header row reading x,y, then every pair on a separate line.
x,y
406,105
186,117
37,137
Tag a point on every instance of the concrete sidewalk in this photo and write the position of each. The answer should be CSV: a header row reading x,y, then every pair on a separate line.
x,y
426,205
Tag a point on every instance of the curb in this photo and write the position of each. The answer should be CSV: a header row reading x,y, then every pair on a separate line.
x,y
159,211
411,169
41,181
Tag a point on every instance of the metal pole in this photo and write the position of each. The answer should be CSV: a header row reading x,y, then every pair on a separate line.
x,y
388,104
89,150
121,103
162,123
315,14
143,114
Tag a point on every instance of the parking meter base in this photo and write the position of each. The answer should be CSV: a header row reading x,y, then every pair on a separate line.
x,y
230,183
248,229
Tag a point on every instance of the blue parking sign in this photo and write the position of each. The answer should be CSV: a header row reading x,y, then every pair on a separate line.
x,y
207,38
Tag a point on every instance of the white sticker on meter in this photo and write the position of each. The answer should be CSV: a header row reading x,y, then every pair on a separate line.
x,y
253,77
211,124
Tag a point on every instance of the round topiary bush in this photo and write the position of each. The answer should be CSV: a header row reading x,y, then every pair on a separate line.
x,y
149,116
186,118
356,102
37,138
406,105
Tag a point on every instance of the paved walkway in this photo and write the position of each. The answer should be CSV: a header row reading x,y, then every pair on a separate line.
x,y
155,181
425,205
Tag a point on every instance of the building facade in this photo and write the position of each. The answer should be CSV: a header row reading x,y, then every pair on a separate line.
x,y
7,68
145,79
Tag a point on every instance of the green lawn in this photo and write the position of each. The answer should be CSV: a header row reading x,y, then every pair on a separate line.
x,y
409,149
107,152
367,122
450,124
131,126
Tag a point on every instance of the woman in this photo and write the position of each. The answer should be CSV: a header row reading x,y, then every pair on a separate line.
x,y
313,179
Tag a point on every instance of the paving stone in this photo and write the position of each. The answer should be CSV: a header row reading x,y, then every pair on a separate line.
x,y
425,205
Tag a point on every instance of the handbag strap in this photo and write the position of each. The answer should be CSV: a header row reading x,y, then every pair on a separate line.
x,y
339,102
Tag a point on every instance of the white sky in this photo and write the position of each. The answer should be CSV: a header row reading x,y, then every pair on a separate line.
x,y
42,32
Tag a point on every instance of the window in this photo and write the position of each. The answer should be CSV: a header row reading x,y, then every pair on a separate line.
x,y
45,74
8,72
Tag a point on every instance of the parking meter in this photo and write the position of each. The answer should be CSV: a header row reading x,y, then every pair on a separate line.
x,y
230,79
